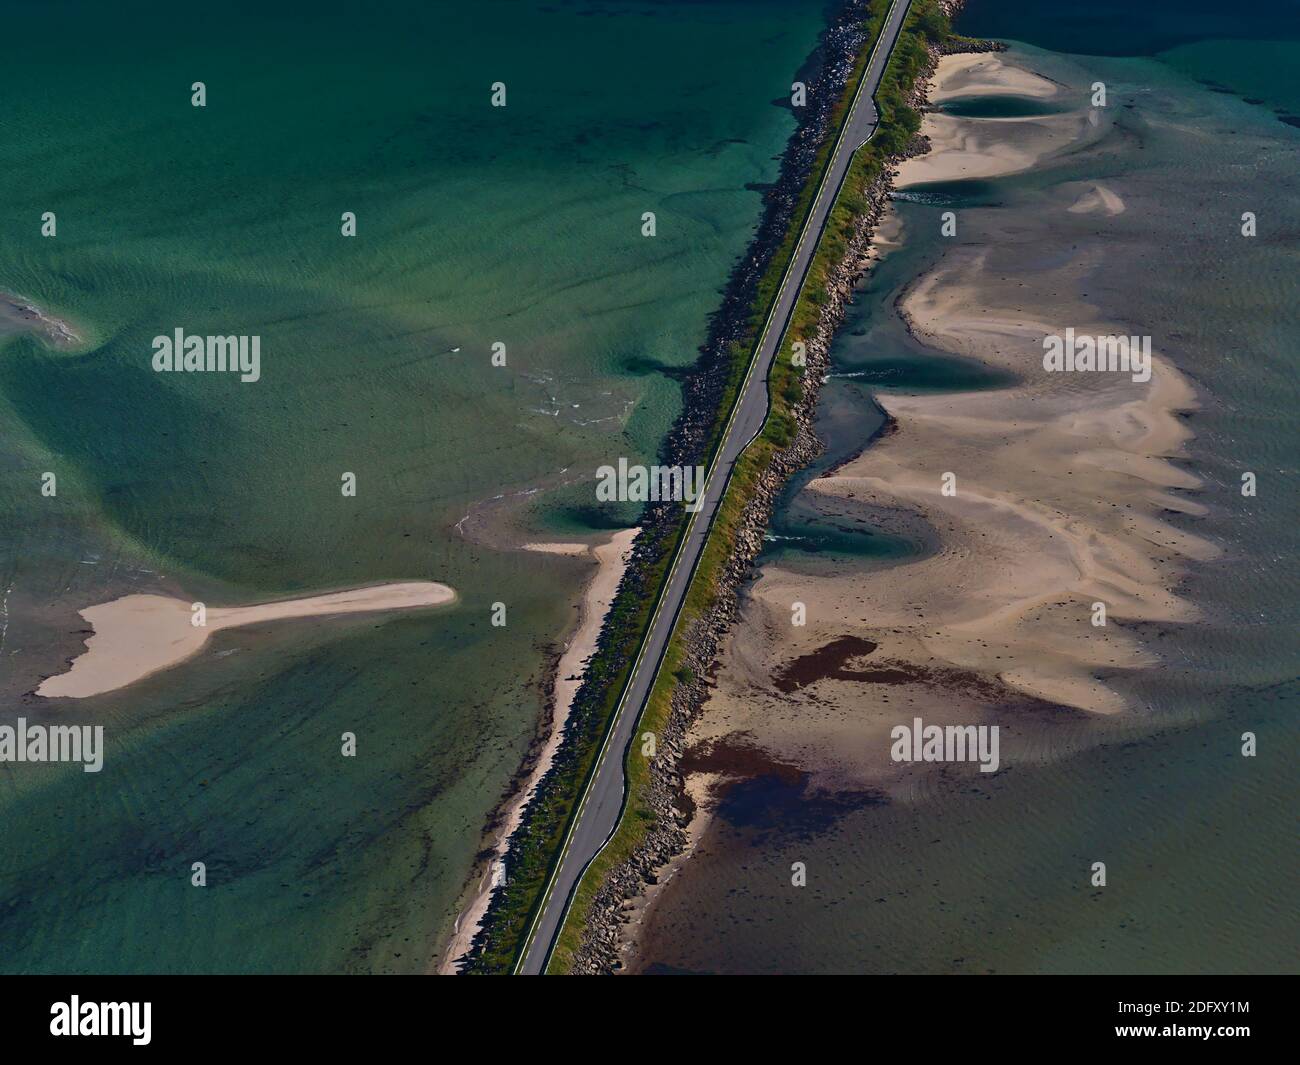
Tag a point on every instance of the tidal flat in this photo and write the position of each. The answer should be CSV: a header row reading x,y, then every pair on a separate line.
x,y
1124,744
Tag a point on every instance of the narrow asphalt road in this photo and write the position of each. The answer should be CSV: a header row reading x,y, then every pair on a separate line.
x,y
602,803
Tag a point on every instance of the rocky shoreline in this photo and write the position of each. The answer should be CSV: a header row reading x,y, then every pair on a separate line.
x,y
605,936
826,72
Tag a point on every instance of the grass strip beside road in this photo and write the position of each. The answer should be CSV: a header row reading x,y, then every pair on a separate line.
x,y
898,124
539,839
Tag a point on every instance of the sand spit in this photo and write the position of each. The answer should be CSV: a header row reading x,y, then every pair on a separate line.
x,y
611,559
20,315
1098,200
558,548
986,74
139,635
962,148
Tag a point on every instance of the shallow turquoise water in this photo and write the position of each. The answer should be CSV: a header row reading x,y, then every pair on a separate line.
x,y
474,225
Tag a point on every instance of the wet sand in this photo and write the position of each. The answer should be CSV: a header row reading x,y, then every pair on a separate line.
x,y
962,148
611,559
1062,485
19,315
139,635
1099,199
1059,486
968,74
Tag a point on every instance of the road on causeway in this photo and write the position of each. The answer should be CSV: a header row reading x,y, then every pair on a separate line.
x,y
601,803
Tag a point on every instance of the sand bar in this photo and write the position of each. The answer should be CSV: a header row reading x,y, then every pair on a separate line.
x,y
20,315
1098,199
139,635
986,74
966,148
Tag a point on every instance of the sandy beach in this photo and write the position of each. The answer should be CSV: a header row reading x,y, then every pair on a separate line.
x,y
611,558
139,635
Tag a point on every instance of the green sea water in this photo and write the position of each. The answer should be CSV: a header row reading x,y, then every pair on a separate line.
x,y
991,875
475,225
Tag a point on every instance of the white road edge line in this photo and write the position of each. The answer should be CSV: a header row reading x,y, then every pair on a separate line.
x,y
690,526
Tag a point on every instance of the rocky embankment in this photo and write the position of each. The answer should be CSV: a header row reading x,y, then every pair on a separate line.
x,y
704,388
667,839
